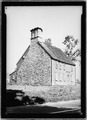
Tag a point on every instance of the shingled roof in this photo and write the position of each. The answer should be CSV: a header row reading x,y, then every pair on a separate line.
x,y
56,53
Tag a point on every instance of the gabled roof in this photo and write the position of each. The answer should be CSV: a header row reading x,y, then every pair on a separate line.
x,y
12,72
56,53
25,53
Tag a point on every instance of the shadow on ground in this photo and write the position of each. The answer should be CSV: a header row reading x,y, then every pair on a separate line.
x,y
35,109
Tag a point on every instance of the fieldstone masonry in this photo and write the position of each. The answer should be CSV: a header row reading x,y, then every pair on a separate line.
x,y
36,68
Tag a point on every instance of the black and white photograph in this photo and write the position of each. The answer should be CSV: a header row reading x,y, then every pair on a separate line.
x,y
43,60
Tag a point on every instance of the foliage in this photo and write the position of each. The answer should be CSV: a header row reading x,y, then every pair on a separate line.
x,y
71,43
48,41
42,94
56,93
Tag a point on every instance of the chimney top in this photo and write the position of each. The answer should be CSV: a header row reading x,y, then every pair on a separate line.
x,y
36,29
36,32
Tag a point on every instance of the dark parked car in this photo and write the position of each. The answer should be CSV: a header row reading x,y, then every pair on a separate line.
x,y
12,98
18,98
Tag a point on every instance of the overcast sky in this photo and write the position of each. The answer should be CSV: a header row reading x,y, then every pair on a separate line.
x,y
56,22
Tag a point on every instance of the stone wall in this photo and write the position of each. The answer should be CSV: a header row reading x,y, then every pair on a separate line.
x,y
62,74
36,68
13,78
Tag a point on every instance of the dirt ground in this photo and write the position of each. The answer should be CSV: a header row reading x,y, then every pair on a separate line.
x,y
64,104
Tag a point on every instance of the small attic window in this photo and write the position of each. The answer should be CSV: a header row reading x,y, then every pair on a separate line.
x,y
23,56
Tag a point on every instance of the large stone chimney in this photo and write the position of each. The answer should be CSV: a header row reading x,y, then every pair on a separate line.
x,y
36,35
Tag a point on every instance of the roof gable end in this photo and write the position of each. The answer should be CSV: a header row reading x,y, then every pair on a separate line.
x,y
25,53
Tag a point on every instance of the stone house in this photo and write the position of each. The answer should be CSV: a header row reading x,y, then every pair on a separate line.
x,y
43,64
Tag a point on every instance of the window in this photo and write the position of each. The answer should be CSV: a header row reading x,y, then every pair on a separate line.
x,y
71,78
71,68
68,77
64,67
56,76
64,77
60,66
13,77
61,77
56,66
